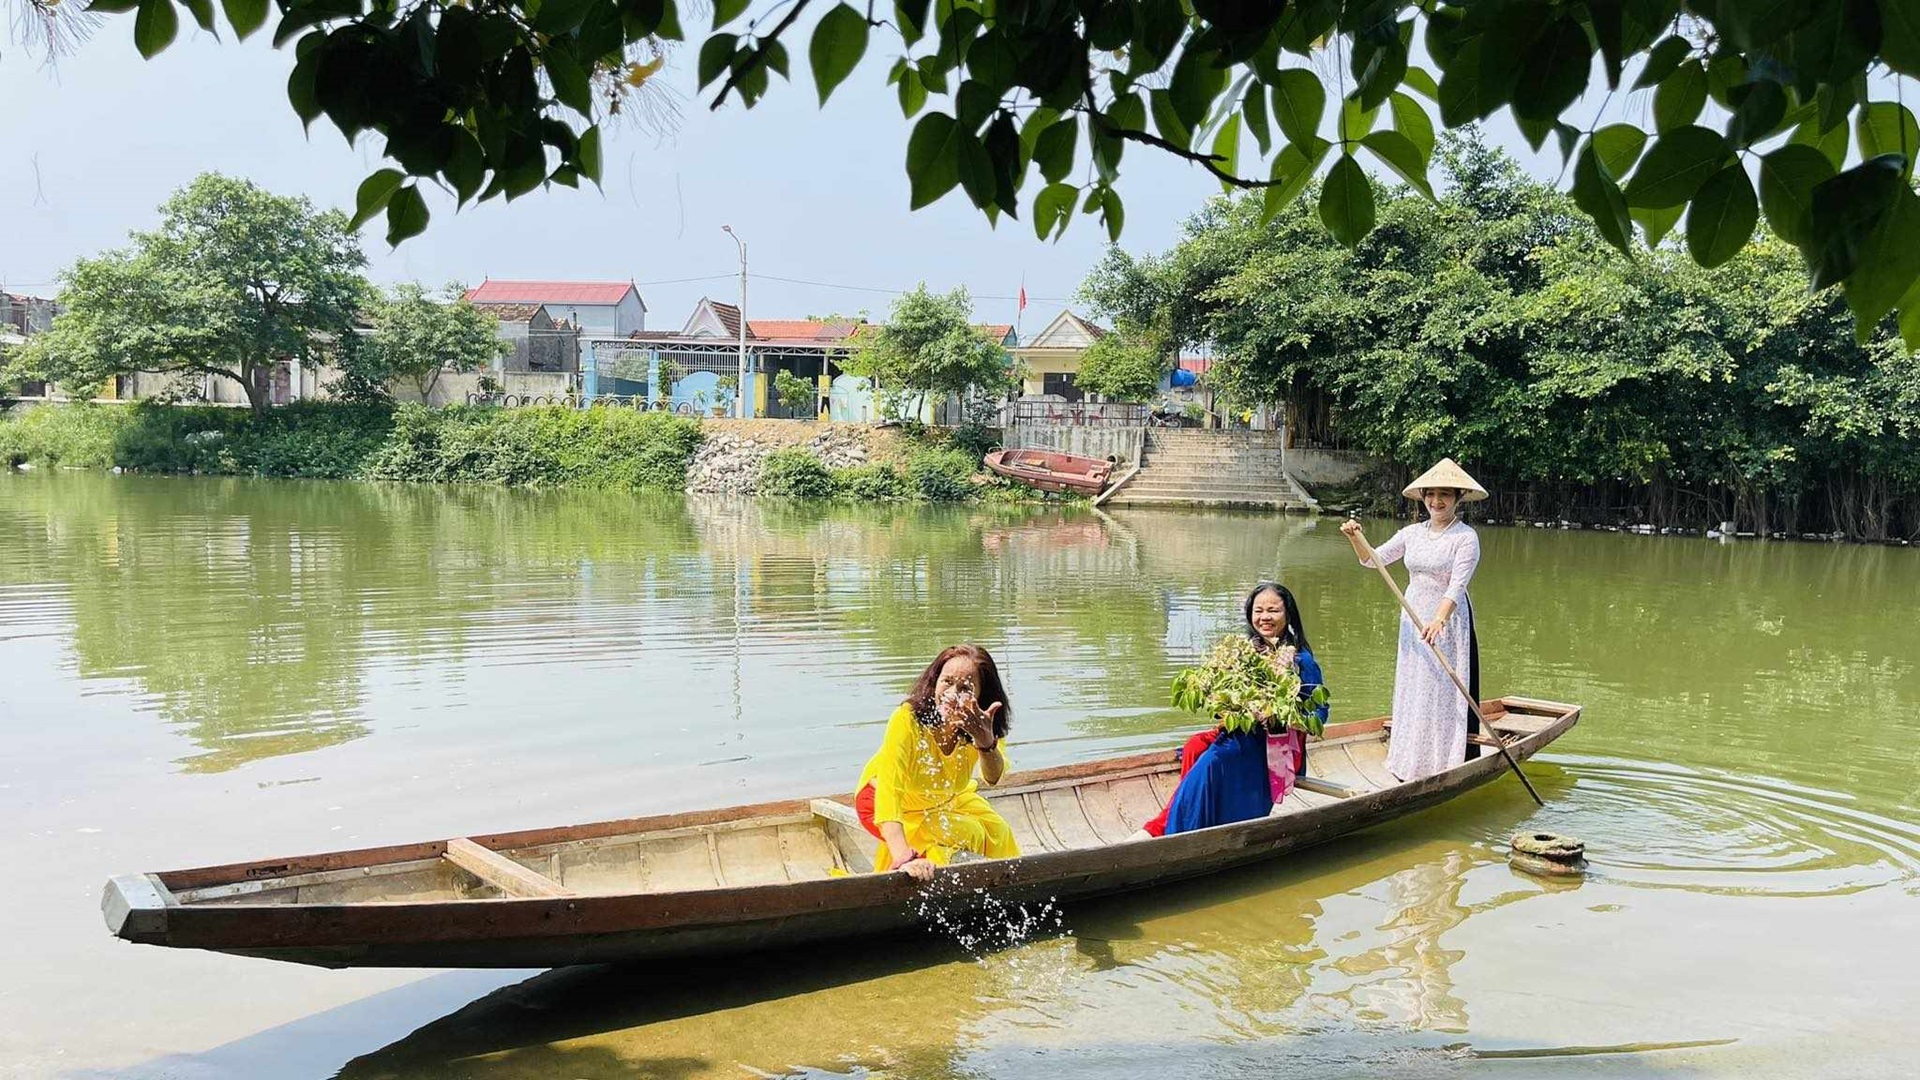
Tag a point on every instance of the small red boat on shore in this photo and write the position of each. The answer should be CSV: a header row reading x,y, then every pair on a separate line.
x,y
1049,470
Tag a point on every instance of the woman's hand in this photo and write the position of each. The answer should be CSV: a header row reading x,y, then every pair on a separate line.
x,y
919,868
1430,633
978,724
1350,527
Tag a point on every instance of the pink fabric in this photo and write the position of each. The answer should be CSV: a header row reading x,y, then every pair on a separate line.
x,y
1283,761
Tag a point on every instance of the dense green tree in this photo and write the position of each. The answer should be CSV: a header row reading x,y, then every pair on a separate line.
x,y
1496,325
501,97
930,350
1126,364
235,280
414,339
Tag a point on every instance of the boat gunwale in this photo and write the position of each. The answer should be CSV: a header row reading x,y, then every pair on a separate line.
x,y
238,926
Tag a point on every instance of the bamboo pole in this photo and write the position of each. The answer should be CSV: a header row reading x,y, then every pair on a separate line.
x,y
1368,555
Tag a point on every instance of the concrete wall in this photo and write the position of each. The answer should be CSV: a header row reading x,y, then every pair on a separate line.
x,y
1094,442
1312,467
453,389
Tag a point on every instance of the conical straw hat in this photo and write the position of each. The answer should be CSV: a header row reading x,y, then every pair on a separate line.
x,y
1447,474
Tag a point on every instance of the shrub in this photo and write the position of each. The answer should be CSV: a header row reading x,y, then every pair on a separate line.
x,y
537,446
794,472
81,436
941,475
974,439
871,483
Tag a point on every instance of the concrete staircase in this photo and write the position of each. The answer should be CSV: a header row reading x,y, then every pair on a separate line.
x,y
1201,467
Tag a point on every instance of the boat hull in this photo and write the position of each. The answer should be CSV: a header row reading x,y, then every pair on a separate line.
x,y
556,931
1050,471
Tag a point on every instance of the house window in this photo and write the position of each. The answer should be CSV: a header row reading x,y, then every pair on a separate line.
x,y
1060,384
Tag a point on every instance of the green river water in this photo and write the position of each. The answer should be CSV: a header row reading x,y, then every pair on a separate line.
x,y
196,671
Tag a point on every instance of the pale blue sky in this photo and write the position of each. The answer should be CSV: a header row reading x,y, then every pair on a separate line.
x,y
89,149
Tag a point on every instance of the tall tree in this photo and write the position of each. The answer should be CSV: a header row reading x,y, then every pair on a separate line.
x,y
1127,364
930,349
234,281
414,339
501,98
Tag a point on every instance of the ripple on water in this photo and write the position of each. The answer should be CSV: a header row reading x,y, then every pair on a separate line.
x,y
1663,826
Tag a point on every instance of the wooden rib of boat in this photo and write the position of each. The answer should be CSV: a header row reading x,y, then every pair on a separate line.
x,y
762,876
1049,470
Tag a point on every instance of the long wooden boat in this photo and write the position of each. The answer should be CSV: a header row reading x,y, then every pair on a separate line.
x,y
1050,470
762,876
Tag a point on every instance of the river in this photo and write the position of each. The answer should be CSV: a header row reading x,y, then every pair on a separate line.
x,y
196,671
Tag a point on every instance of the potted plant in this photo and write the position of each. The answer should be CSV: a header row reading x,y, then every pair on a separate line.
x,y
1242,688
724,390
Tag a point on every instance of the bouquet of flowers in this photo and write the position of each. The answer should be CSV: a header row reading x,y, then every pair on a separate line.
x,y
1243,688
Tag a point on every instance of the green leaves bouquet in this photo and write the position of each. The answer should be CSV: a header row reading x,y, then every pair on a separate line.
x,y
1243,688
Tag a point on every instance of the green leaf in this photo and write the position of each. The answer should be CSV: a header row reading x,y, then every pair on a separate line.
x,y
1299,103
912,19
406,215
913,93
1900,41
1166,119
1679,162
1787,179
1053,150
1656,223
1759,107
1845,211
933,157
1253,107
1378,66
1398,153
154,27
1721,218
1421,80
1197,79
1112,213
1293,170
1725,72
466,165
725,11
1680,98
1411,119
976,168
1595,192
1346,201
245,15
1663,60
1226,148
1555,71
1053,209
1888,265
1355,121
1618,147
715,57
202,12
1609,32
374,194
589,153
1832,143
556,17
570,85
838,43
1910,318
1887,127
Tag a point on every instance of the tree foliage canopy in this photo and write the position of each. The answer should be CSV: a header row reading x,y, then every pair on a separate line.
x,y
414,339
1496,325
930,349
1126,364
1757,106
234,280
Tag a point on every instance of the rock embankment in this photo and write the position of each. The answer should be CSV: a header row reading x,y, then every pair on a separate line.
x,y
728,461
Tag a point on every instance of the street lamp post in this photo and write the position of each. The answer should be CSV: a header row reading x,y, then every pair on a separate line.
x,y
740,389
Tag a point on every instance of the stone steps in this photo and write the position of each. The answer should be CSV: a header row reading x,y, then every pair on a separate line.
x,y
1223,469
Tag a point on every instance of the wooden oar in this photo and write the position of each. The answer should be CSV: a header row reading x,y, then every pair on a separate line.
x,y
1360,541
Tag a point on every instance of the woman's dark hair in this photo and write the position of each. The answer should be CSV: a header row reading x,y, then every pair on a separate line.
x,y
1295,633
921,699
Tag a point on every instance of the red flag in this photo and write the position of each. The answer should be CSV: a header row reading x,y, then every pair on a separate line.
x,y
1023,297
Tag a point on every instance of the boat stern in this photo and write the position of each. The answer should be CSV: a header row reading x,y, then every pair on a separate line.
x,y
135,907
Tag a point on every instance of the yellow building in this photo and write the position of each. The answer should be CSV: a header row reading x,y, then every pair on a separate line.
x,y
1051,358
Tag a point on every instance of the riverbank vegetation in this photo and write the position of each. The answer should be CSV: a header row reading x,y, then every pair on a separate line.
x,y
1495,325
539,447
